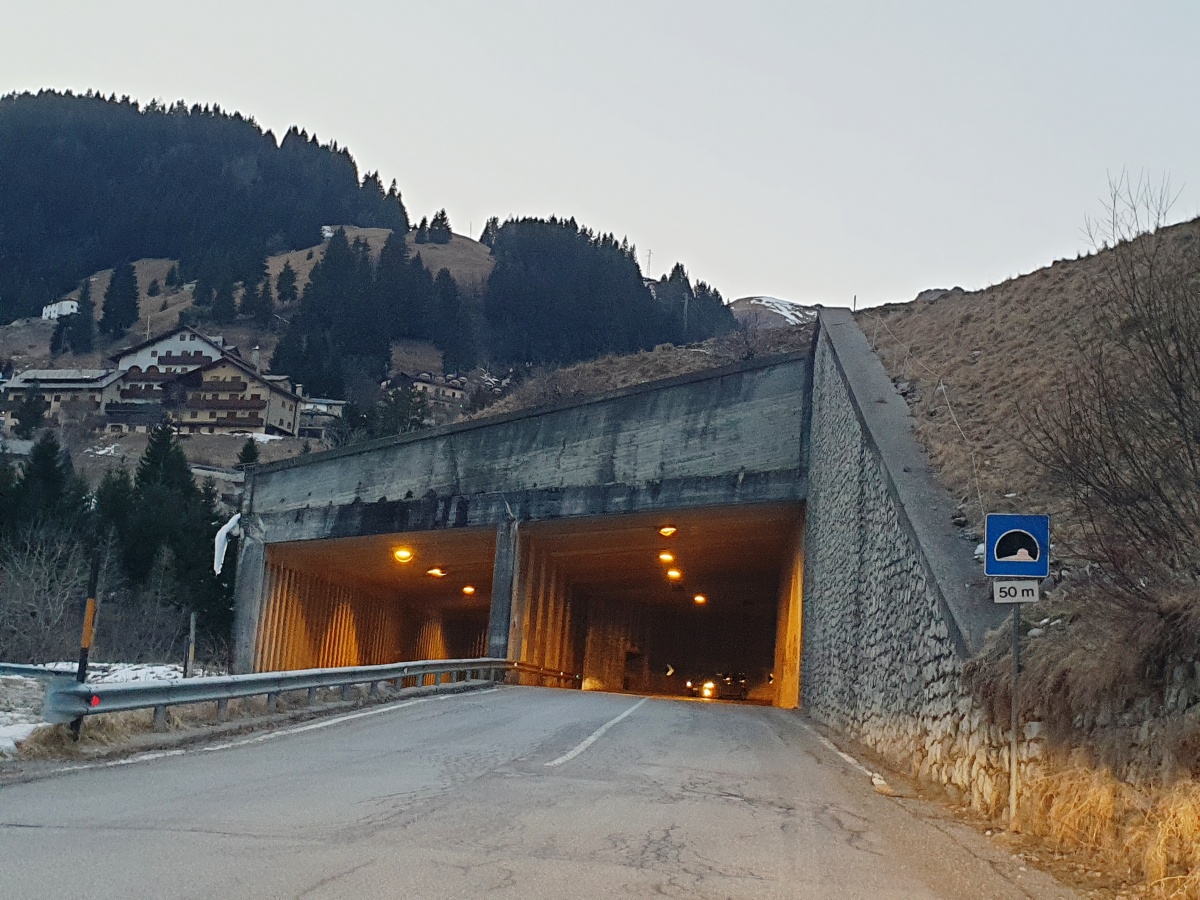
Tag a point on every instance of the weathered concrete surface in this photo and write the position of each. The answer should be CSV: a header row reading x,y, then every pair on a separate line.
x,y
726,436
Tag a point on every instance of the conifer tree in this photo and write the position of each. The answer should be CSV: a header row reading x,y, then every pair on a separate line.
x,y
248,455
82,335
30,412
264,306
422,232
439,228
224,310
285,285
120,302
488,237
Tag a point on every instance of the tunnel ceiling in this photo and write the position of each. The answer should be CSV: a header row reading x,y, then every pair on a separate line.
x,y
466,555
713,549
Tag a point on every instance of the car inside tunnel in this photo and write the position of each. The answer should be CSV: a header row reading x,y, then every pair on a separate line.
x,y
644,603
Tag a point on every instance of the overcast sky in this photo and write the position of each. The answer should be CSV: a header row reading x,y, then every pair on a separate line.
x,y
810,151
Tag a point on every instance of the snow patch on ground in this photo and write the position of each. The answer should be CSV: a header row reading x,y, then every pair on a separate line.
x,y
112,673
20,711
794,313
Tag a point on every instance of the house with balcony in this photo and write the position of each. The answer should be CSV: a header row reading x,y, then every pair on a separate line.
x,y
227,396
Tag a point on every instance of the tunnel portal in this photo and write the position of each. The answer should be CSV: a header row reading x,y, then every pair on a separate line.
x,y
535,537
641,603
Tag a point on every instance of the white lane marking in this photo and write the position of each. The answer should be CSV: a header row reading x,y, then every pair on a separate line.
x,y
594,736
877,780
258,738
825,742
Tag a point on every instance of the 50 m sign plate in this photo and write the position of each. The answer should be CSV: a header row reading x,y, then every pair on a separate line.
x,y
1015,591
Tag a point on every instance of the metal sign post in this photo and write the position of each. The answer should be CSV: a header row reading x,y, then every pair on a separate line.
x,y
1017,549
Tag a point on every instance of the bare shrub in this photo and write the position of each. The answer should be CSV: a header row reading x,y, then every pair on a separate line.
x,y
1122,435
145,625
1100,674
43,576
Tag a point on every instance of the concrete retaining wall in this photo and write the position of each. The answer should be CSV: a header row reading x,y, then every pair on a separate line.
x,y
893,600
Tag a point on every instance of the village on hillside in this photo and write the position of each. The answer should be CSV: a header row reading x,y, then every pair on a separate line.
x,y
201,385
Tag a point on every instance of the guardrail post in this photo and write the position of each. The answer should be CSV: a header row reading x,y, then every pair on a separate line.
x,y
373,690
222,710
160,718
312,697
272,704
346,691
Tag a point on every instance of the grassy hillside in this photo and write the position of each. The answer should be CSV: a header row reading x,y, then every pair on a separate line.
x,y
974,363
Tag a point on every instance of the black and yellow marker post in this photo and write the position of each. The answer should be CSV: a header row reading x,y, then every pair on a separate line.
x,y
89,630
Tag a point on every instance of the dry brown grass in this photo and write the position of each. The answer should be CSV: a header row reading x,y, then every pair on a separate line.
x,y
470,262
1150,834
118,730
611,373
996,352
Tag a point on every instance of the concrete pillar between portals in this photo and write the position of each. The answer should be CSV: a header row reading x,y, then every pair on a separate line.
x,y
504,583
788,633
248,602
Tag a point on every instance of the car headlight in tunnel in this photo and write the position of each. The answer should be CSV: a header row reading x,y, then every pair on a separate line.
x,y
689,684
708,685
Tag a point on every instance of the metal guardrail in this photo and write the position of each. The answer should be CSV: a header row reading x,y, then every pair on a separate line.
x,y
67,699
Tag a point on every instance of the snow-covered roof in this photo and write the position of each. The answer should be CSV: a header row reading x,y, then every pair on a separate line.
x,y
60,378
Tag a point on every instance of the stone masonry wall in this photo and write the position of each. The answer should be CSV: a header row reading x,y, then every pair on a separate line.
x,y
883,654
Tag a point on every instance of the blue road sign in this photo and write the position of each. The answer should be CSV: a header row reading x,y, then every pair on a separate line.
x,y
1017,546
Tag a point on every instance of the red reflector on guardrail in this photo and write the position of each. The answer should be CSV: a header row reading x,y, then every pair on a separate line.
x,y
95,700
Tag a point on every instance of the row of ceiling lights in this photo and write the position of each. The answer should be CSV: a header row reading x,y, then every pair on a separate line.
x,y
674,573
404,555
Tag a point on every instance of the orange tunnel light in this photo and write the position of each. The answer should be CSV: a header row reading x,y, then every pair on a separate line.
x,y
403,555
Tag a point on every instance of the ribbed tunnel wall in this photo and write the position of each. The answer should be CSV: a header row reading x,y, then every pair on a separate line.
x,y
309,622
552,631
313,622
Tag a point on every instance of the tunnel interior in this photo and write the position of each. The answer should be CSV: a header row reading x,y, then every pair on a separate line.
x,y
641,603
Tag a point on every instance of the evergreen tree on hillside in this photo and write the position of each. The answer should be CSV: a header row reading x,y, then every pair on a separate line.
x,y
422,236
166,525
173,280
285,285
488,237
439,228
120,302
248,455
560,293
397,291
263,308
82,334
224,310
30,412
452,328
112,180
695,314
48,488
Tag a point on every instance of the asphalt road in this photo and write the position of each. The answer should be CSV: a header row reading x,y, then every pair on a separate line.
x,y
453,797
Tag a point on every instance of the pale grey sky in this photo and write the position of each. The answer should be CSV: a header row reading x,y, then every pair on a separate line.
x,y
811,151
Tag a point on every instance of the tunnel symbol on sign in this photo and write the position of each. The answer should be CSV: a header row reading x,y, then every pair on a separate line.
x,y
1017,546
